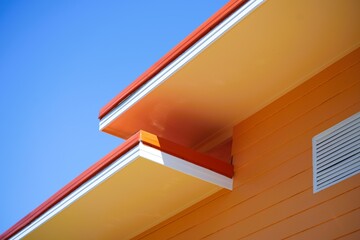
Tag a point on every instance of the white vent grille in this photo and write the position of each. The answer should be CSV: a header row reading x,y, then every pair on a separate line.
x,y
336,153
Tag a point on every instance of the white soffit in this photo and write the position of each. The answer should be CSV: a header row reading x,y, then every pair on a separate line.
x,y
142,188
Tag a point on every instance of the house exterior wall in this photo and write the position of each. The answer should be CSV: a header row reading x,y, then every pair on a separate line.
x,y
272,155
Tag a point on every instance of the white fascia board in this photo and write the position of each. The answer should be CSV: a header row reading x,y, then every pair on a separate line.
x,y
120,163
181,61
185,167
139,150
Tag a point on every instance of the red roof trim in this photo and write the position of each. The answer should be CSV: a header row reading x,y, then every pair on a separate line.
x,y
190,40
74,184
146,138
188,154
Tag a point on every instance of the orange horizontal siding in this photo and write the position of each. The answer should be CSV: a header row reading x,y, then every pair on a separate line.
x,y
311,115
311,218
334,228
239,212
355,235
295,146
261,211
273,193
290,98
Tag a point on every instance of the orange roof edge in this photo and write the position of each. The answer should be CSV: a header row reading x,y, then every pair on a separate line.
x,y
146,138
189,154
71,186
200,32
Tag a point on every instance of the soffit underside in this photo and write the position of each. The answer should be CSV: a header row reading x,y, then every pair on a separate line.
x,y
274,49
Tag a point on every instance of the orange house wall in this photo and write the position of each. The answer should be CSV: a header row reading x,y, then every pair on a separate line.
x,y
273,196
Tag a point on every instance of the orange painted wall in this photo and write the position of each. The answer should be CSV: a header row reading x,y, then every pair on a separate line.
x,y
273,196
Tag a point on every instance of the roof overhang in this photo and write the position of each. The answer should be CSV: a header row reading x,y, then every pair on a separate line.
x,y
141,183
252,57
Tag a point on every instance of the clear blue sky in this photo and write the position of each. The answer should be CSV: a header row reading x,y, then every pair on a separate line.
x,y
60,62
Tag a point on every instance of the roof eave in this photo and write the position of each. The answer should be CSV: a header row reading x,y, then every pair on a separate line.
x,y
179,49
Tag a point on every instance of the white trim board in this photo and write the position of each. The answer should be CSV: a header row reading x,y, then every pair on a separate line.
x,y
120,163
184,166
180,61
139,150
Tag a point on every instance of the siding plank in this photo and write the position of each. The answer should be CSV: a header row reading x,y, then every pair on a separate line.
x,y
295,95
308,121
252,206
292,206
350,236
312,217
302,107
290,150
333,229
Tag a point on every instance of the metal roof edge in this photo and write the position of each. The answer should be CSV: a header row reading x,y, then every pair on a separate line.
x,y
185,44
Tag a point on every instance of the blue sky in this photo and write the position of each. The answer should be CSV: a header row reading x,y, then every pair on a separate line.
x,y
60,62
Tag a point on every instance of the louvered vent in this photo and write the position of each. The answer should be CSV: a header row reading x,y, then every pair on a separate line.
x,y
336,153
